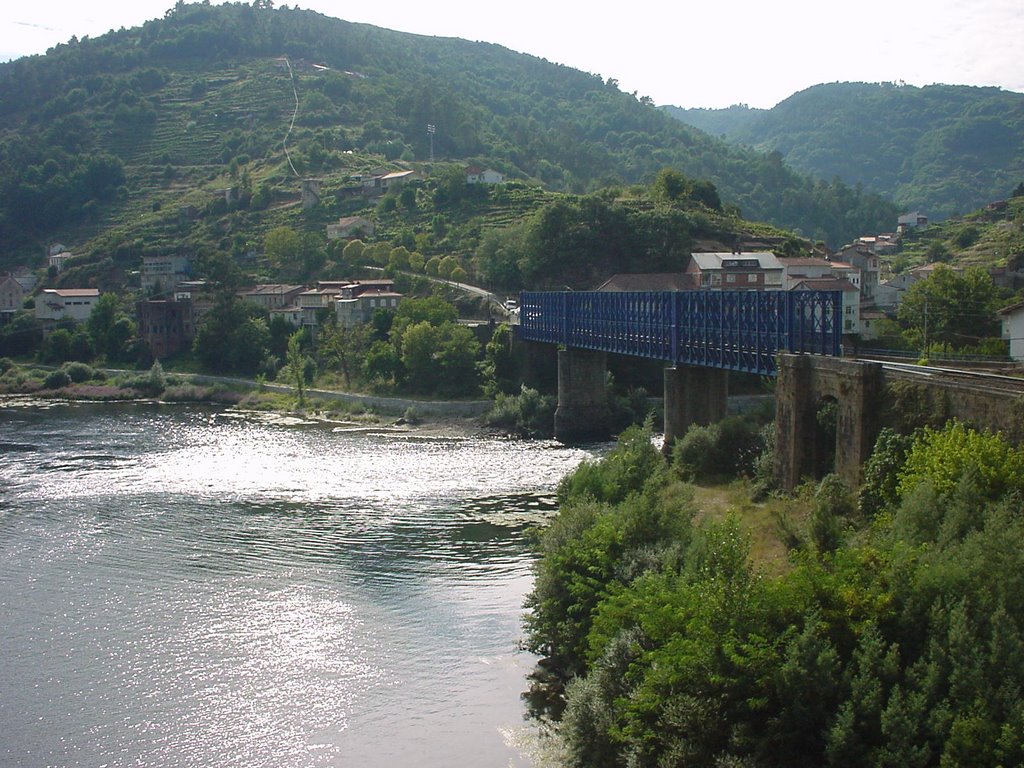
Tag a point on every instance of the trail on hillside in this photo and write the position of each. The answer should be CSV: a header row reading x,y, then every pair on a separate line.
x,y
295,114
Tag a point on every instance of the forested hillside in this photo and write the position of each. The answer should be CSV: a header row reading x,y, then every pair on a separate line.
x,y
941,149
103,141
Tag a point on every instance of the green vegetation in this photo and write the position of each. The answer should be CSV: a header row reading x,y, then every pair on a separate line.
x,y
941,149
172,137
894,635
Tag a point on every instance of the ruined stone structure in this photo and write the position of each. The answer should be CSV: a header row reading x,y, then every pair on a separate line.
x,y
803,382
869,396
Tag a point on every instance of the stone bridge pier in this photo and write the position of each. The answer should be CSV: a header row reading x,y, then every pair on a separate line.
x,y
582,412
699,395
804,381
693,395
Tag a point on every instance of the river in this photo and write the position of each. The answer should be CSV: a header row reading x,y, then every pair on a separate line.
x,y
190,586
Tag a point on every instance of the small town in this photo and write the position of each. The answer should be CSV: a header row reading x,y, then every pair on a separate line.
x,y
400,391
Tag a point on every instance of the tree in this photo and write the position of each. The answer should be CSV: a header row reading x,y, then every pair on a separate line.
x,y
447,266
232,337
339,348
295,361
353,251
282,245
951,308
109,327
670,185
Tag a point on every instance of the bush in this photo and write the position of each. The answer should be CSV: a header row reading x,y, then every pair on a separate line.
x,y
529,414
632,465
943,457
57,379
727,449
80,372
881,473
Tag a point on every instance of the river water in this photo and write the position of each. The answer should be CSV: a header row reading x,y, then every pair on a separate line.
x,y
183,586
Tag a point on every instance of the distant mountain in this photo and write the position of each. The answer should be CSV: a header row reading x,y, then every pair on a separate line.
x,y
724,123
104,140
941,149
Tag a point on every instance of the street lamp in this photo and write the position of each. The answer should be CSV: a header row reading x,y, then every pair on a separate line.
x,y
431,129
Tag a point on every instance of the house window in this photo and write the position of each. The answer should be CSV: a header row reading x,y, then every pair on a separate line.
x,y
751,278
730,278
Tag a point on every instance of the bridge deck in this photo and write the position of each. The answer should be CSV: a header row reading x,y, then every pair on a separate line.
x,y
734,330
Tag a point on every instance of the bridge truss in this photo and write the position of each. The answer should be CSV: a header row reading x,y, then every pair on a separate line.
x,y
733,330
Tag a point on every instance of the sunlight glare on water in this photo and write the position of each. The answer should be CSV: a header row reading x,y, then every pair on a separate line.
x,y
184,587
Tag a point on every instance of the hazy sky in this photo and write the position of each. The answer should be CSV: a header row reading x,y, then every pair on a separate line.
x,y
702,53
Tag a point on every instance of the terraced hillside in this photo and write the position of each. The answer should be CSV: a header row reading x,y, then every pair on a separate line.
x,y
113,135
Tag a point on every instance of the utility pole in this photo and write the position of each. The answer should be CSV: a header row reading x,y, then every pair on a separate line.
x,y
431,129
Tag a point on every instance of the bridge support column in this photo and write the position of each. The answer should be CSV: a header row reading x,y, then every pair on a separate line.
x,y
693,395
582,412
795,428
803,381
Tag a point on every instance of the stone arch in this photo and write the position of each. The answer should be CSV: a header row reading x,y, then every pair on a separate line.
x,y
804,381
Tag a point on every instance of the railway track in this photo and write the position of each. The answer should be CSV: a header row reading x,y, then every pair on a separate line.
x,y
979,381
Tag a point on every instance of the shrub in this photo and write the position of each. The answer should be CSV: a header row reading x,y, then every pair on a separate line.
x,y
80,372
881,473
528,413
629,468
943,457
57,379
726,449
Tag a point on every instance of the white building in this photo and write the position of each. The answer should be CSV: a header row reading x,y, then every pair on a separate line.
x,y
477,175
1013,328
851,298
59,303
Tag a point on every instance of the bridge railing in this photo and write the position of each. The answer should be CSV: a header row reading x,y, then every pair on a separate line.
x,y
735,330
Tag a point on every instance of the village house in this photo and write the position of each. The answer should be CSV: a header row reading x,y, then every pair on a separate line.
x,y
911,221
163,274
866,261
60,303
315,300
1012,318
797,268
291,314
357,301
378,184
878,244
12,294
350,227
890,293
759,271
166,326
59,260
272,296
477,175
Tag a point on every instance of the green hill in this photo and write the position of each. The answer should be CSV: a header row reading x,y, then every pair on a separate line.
x,y
105,142
941,149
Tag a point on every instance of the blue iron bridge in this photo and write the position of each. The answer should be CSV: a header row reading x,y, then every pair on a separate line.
x,y
732,330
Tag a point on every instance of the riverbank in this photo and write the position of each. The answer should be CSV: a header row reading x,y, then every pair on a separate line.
x,y
77,381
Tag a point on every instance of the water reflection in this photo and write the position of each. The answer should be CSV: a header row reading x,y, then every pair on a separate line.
x,y
183,587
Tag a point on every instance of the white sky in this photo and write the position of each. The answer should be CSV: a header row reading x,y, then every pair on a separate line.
x,y
701,53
